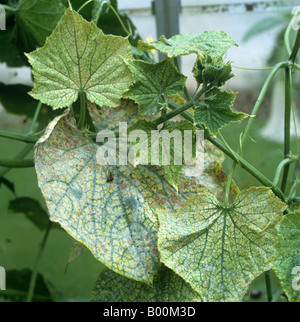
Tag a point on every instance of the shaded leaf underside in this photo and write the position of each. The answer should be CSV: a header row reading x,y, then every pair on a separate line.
x,y
167,287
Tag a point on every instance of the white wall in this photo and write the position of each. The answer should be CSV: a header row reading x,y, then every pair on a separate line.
x,y
192,20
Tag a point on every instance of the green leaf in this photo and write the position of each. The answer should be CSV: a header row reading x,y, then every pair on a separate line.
x,y
32,210
212,43
110,209
78,57
216,110
219,250
35,20
167,287
153,83
210,71
286,262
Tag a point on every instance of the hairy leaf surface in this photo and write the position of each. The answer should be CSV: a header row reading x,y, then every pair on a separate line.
x,y
212,43
76,58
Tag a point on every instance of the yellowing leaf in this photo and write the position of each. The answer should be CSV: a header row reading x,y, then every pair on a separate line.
x,y
213,43
76,58
219,250
110,209
167,287
286,262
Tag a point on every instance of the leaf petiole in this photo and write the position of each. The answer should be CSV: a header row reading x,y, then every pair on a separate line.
x,y
19,137
8,8
16,163
119,18
82,110
35,118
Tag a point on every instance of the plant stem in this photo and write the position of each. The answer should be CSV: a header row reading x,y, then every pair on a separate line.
x,y
236,157
259,101
245,134
268,286
179,110
8,8
82,110
287,124
36,265
280,168
247,166
228,184
296,66
254,69
86,3
119,18
16,163
22,154
295,48
35,118
288,32
19,137
296,181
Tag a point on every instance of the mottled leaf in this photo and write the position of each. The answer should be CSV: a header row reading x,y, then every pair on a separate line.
x,y
110,209
167,287
220,250
215,112
286,262
153,83
76,58
212,43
